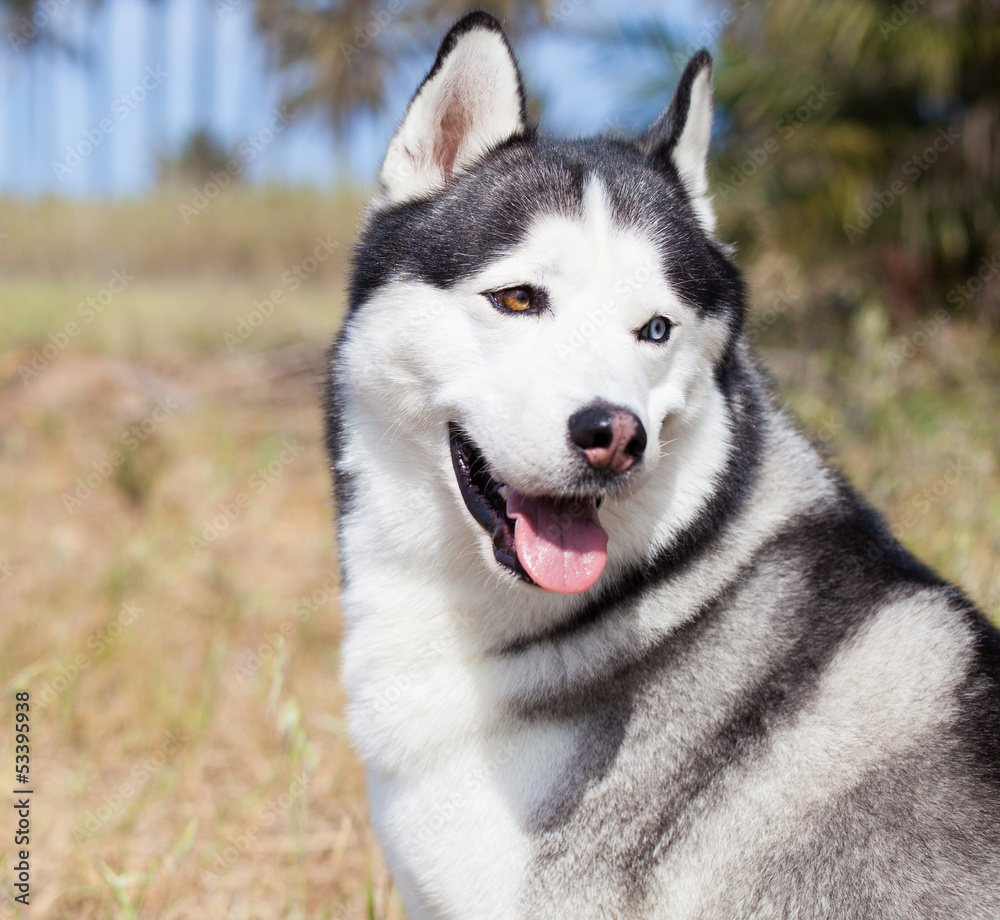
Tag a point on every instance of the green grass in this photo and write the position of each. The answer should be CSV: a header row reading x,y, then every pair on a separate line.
x,y
244,232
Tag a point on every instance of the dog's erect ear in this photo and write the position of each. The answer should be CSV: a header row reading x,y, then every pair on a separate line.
x,y
471,100
680,136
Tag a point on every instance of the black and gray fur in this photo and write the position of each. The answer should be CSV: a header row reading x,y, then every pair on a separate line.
x,y
683,741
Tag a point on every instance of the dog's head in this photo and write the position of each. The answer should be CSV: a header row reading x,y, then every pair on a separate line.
x,y
536,325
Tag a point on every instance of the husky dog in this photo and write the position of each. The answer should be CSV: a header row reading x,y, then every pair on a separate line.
x,y
618,642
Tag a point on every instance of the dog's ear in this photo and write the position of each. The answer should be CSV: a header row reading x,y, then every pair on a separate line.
x,y
680,136
471,101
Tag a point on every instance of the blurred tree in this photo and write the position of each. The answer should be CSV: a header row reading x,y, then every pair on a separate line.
x,y
339,56
199,157
865,134
859,137
27,24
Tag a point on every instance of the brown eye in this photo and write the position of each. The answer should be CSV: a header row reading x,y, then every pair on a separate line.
x,y
516,300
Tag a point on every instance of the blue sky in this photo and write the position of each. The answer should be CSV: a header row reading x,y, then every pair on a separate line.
x,y
92,127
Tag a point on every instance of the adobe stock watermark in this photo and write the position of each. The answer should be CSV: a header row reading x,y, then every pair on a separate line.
x,y
390,692
123,106
43,14
909,346
265,816
709,30
88,310
225,8
900,15
465,789
563,11
291,280
962,294
624,289
784,127
129,440
886,542
252,660
921,501
822,430
766,318
115,799
247,150
230,511
366,34
913,169
98,642
393,689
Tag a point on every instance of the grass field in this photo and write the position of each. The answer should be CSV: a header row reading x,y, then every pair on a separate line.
x,y
167,561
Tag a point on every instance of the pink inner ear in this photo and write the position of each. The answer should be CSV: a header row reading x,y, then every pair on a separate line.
x,y
451,132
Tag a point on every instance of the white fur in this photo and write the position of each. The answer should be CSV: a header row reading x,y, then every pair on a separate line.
x,y
454,774
513,382
469,106
426,602
690,155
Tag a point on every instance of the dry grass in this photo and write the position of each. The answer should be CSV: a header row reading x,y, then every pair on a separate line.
x,y
189,754
188,747
189,751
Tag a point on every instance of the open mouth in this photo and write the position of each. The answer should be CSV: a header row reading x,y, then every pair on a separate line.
x,y
556,543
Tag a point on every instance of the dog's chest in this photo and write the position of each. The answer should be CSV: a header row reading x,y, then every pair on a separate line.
x,y
469,805
453,781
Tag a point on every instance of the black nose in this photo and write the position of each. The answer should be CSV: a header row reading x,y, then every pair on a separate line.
x,y
611,438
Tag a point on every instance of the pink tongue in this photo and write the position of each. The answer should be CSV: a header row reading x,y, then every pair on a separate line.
x,y
561,544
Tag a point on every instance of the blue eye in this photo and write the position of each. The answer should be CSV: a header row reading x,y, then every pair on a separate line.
x,y
656,330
